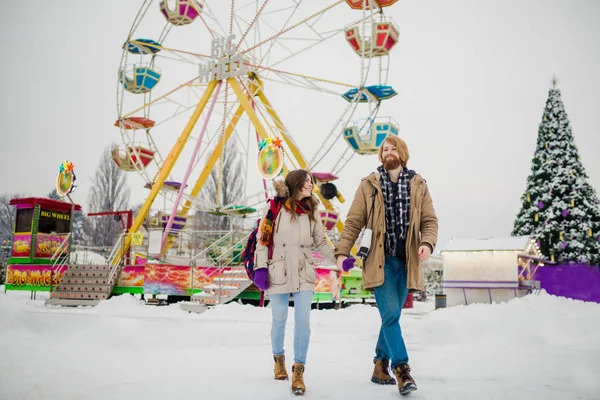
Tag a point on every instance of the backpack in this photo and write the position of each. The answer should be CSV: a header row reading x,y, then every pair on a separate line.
x,y
248,253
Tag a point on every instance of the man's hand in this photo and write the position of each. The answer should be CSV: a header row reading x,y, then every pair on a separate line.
x,y
424,253
339,262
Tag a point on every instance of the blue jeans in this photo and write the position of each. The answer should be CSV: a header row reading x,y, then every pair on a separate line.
x,y
279,310
390,298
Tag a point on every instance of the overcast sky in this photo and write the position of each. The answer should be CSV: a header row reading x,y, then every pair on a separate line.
x,y
472,78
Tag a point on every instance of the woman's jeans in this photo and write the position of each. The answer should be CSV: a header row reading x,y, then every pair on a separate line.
x,y
390,298
279,309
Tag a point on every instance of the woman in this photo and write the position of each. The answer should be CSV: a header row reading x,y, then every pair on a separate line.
x,y
284,265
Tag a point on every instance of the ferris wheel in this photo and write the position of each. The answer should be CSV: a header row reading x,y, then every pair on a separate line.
x,y
197,74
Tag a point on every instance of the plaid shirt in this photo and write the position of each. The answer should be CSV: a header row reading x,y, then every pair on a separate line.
x,y
397,204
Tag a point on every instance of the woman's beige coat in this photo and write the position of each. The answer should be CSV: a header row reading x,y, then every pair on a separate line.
x,y
292,268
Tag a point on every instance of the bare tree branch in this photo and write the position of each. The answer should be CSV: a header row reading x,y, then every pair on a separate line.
x,y
232,189
109,192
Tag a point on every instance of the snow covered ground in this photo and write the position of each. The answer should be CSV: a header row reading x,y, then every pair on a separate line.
x,y
537,347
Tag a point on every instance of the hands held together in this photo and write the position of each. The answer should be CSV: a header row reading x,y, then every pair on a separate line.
x,y
345,263
261,276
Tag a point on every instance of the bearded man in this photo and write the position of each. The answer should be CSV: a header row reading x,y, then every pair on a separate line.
x,y
395,205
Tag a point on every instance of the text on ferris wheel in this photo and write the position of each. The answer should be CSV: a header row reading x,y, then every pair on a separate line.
x,y
224,63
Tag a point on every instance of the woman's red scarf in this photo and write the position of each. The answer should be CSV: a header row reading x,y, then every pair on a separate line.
x,y
267,223
301,208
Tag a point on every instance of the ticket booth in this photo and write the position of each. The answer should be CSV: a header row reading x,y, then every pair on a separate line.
x,y
41,226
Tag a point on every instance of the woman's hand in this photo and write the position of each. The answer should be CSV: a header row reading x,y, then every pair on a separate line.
x,y
261,278
348,264
339,262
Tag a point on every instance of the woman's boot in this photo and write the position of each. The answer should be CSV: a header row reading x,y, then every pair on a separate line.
x,y
298,379
280,371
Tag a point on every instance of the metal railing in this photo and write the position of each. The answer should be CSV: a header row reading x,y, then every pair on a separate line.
x,y
226,259
59,258
213,246
115,262
187,247
194,245
222,261
89,255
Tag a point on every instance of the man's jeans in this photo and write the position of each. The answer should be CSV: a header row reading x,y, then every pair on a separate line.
x,y
279,310
390,298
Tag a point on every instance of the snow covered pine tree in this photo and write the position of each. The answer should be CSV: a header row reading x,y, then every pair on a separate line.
x,y
559,207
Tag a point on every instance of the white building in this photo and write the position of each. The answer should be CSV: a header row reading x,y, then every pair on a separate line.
x,y
484,270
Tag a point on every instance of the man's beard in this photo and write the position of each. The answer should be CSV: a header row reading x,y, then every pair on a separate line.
x,y
391,162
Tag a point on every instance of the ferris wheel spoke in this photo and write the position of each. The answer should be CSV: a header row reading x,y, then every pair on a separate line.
x,y
210,14
293,26
333,134
265,55
343,160
322,37
278,10
299,83
307,78
178,57
165,32
240,22
231,14
139,17
185,84
251,24
178,52
179,111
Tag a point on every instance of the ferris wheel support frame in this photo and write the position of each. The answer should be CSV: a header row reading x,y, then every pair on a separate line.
x,y
208,167
212,160
168,164
189,169
282,130
245,106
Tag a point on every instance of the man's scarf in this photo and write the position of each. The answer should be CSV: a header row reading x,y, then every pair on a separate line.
x,y
396,208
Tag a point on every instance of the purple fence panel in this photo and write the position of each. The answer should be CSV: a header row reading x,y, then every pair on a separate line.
x,y
576,281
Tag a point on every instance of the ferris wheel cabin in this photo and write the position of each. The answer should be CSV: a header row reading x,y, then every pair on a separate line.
x,y
143,46
365,137
132,158
139,78
383,36
184,12
135,123
369,4
329,219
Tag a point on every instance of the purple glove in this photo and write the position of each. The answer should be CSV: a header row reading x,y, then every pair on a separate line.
x,y
261,278
348,264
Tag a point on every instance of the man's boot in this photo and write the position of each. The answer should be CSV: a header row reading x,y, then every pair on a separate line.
x,y
406,383
298,379
381,373
280,371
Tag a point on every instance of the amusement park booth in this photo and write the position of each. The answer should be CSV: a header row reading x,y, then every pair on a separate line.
x,y
486,270
42,226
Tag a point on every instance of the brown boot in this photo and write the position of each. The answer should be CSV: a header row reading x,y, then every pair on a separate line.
x,y
280,371
381,373
406,383
298,379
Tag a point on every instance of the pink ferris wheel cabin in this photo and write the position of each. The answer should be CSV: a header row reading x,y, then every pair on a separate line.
x,y
184,12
